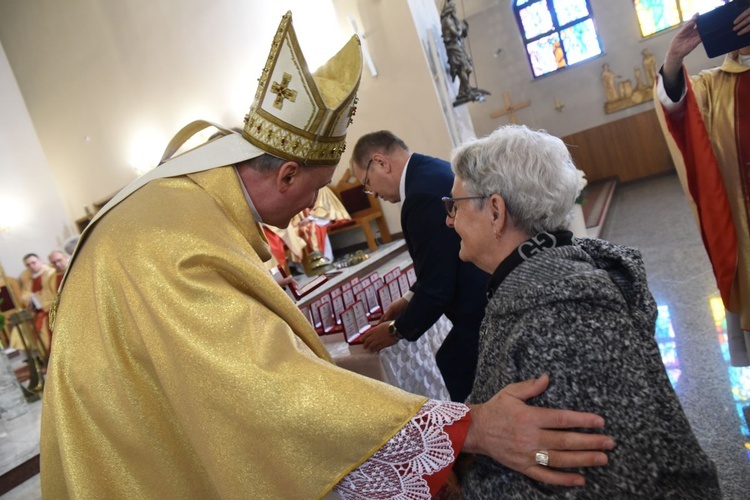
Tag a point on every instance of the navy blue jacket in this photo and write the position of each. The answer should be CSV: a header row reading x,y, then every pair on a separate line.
x,y
445,284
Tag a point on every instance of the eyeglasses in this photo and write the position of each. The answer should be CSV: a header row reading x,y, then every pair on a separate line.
x,y
365,183
450,203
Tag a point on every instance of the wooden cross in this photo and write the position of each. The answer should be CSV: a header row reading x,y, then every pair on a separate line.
x,y
283,91
510,109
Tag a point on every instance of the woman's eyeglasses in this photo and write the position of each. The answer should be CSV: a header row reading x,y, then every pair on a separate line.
x,y
450,203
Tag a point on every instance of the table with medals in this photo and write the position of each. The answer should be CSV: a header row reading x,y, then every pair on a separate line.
x,y
348,303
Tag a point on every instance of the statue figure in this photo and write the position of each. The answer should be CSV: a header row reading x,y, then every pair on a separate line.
x,y
638,78
459,62
608,78
626,88
306,236
621,93
649,63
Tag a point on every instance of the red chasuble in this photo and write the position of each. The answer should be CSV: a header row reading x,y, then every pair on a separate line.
x,y
706,185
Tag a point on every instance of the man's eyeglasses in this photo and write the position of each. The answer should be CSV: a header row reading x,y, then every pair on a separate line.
x,y
365,183
450,203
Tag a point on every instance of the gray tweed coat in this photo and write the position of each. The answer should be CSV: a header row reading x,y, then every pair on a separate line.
x,y
584,315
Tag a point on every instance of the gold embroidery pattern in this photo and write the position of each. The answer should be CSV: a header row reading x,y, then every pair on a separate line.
x,y
53,311
289,145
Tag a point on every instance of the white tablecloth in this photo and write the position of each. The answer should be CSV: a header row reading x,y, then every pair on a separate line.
x,y
411,365
408,365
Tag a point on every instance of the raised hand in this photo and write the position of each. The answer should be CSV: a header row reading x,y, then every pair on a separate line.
x,y
683,43
742,23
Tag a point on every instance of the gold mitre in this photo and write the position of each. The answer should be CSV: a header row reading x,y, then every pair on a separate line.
x,y
302,116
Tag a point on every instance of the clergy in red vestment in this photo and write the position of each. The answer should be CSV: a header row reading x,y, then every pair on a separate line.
x,y
59,261
707,122
34,293
308,230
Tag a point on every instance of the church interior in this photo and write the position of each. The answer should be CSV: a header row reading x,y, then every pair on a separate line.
x,y
91,92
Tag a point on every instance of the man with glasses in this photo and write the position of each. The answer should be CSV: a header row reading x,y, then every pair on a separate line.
x,y
445,285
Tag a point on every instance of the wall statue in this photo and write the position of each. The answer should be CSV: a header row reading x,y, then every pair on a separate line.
x,y
621,94
459,62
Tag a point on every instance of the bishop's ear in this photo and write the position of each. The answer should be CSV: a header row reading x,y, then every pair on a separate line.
x,y
287,175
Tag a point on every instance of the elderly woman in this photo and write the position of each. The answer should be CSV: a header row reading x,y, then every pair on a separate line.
x,y
576,309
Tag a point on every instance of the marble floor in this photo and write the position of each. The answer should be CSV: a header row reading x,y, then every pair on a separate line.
x,y
653,216
28,490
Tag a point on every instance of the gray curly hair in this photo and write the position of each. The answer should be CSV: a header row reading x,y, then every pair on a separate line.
x,y
530,169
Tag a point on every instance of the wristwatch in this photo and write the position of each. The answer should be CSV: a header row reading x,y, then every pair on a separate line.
x,y
393,332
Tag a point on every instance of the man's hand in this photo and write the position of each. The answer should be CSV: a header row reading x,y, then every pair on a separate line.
x,y
398,306
742,23
511,432
681,45
280,277
284,281
377,338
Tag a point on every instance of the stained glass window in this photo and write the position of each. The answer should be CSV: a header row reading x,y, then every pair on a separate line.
x,y
658,15
557,33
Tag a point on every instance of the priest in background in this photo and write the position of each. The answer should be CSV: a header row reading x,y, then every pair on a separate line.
x,y
59,261
706,118
32,280
35,295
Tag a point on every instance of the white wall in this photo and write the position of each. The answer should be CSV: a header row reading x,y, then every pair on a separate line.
x,y
32,217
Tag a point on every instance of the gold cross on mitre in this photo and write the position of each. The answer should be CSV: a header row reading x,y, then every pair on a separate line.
x,y
282,91
510,109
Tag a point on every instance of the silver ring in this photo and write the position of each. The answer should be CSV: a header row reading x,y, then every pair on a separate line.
x,y
542,458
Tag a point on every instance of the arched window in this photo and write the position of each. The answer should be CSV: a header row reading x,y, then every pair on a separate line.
x,y
657,15
556,33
